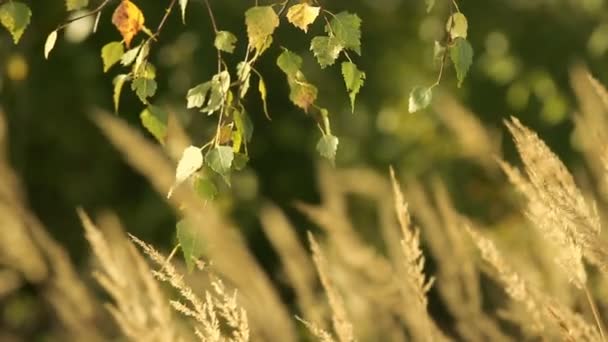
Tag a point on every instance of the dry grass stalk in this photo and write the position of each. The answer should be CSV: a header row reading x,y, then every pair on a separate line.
x,y
416,281
217,303
543,310
316,331
342,325
556,205
226,246
298,268
140,309
367,280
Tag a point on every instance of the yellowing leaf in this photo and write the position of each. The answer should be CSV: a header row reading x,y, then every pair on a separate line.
x,y
302,15
128,19
15,16
49,44
111,53
224,41
191,160
263,94
457,26
302,93
261,22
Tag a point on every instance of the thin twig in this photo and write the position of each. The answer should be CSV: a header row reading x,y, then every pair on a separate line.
x,y
165,17
215,30
596,314
93,12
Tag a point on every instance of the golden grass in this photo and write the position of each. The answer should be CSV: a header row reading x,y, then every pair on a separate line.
x,y
424,268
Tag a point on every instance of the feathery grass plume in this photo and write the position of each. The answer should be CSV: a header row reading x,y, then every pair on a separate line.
x,y
457,278
371,185
342,325
298,268
232,260
416,283
591,123
367,280
557,207
217,303
316,331
514,285
545,312
476,142
140,309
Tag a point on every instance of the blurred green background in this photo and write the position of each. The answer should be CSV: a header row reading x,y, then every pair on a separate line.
x,y
523,52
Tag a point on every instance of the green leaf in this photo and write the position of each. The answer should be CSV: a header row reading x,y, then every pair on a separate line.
x,y
354,79
142,59
144,88
429,5
302,93
224,41
461,54
205,188
243,124
240,161
326,49
261,22
243,72
302,15
197,96
420,98
220,159
263,95
49,44
346,27
182,5
129,57
220,83
191,241
15,16
118,82
155,119
73,5
111,53
327,146
289,62
457,26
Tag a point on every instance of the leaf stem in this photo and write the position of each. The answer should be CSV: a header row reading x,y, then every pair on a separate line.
x,y
93,12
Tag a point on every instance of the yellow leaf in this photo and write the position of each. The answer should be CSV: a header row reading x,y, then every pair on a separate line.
x,y
128,19
302,15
